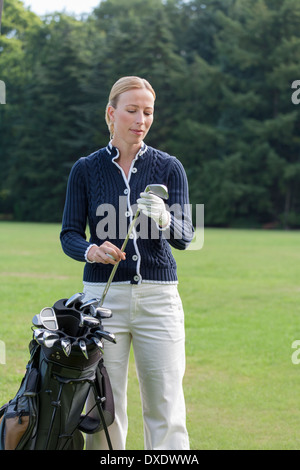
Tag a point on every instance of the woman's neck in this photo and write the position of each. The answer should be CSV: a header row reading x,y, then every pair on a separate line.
x,y
127,154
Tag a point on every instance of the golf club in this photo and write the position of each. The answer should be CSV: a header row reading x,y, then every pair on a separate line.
x,y
100,312
36,321
66,346
38,335
88,320
98,343
46,318
82,345
49,338
90,303
75,298
159,190
106,335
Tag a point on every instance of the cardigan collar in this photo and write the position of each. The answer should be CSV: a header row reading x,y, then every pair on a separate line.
x,y
113,151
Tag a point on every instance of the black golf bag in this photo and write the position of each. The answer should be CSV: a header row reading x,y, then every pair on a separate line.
x,y
47,412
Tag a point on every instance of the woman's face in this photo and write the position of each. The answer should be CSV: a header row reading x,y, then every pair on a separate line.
x,y
132,117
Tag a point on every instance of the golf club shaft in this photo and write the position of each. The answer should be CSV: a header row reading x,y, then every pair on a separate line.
x,y
112,274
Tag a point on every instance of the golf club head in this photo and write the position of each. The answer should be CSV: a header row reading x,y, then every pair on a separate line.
x,y
40,340
74,298
47,318
36,321
159,190
38,335
66,346
100,312
98,343
90,302
82,346
49,338
106,335
88,320
38,332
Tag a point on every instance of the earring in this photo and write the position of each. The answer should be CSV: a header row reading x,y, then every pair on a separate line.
x,y
111,131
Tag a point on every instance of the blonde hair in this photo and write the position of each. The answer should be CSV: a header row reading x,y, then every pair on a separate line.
x,y
122,85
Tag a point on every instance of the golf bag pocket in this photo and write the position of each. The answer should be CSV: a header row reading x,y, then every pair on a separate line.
x,y
96,422
105,390
18,417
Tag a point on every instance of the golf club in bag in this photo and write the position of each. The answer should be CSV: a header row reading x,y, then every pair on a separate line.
x,y
66,364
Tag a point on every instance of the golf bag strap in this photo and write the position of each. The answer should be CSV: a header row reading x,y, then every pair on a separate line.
x,y
103,402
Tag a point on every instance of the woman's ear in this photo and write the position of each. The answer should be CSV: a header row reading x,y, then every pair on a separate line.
x,y
111,113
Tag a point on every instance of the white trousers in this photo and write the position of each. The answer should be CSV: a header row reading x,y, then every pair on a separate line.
x,y
150,316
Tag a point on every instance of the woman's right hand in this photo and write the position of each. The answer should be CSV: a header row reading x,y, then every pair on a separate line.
x,y
107,253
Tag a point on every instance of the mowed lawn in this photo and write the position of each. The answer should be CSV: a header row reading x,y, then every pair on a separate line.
x,y
241,295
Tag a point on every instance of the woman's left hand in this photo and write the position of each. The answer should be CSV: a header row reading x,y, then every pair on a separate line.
x,y
154,207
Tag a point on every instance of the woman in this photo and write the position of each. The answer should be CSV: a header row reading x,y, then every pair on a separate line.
x,y
147,310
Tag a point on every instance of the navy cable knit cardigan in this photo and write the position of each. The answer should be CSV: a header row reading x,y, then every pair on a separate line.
x,y
98,193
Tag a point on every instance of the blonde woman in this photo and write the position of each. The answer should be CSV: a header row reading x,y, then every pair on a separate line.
x,y
106,188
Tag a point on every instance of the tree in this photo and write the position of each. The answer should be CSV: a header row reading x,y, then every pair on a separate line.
x,y
139,42
222,70
258,56
53,132
18,24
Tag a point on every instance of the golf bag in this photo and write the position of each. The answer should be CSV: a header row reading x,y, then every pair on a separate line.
x,y
47,411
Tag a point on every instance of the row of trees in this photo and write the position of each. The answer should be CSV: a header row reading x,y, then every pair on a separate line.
x,y
222,70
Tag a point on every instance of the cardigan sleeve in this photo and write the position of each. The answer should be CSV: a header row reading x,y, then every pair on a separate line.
x,y
181,230
72,235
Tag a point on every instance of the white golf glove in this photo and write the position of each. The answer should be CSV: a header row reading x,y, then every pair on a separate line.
x,y
154,207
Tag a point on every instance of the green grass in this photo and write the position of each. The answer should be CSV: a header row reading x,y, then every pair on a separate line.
x,y
241,295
